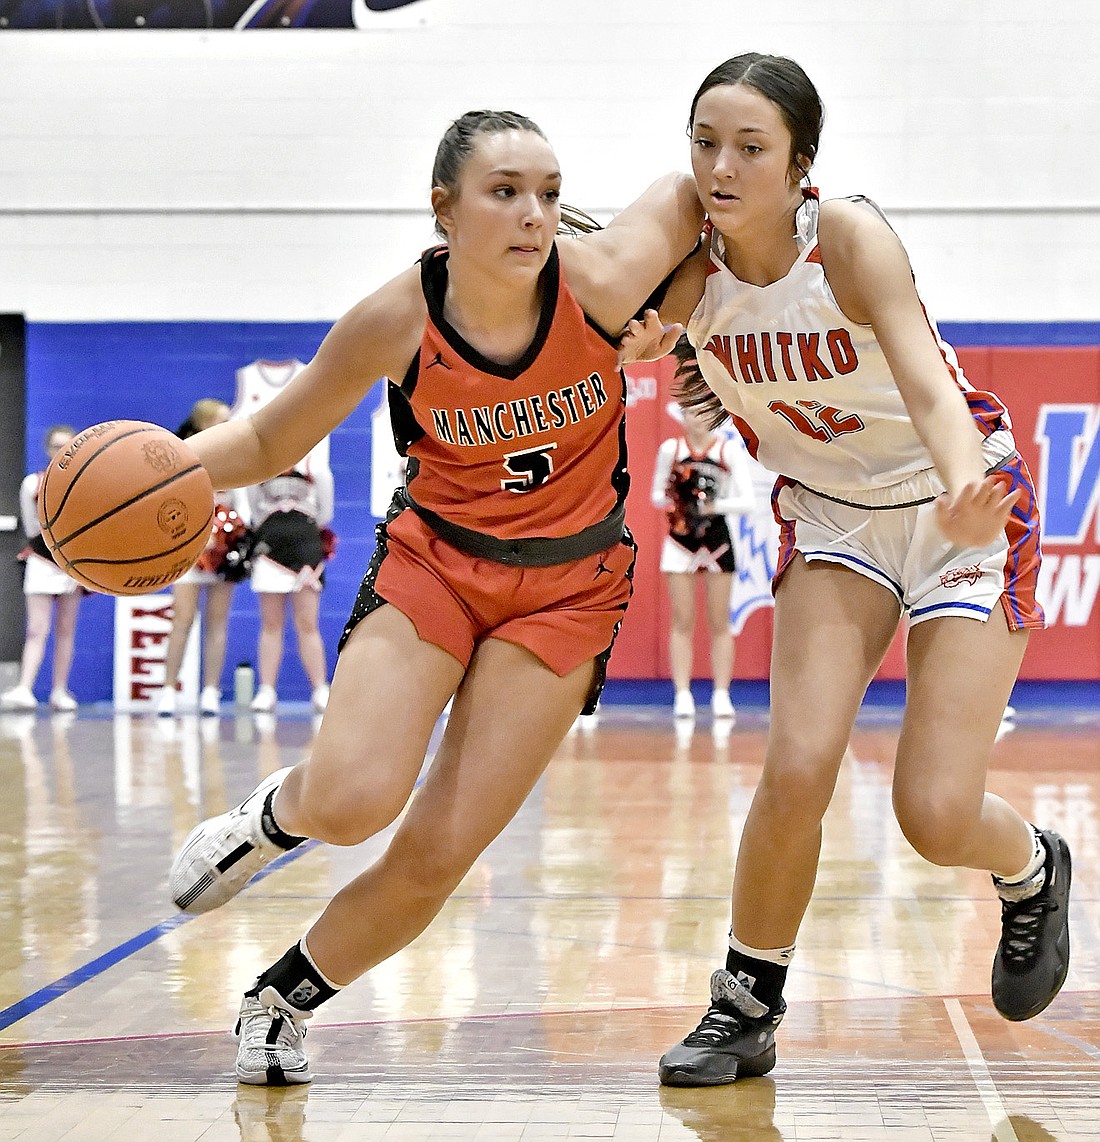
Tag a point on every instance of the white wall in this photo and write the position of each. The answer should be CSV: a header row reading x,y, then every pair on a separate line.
x,y
281,175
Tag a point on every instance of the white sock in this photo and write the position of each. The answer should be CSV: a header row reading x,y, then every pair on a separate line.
x,y
313,964
779,956
1029,880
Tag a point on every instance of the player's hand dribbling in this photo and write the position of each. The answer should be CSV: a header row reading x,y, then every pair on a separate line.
x,y
977,514
648,339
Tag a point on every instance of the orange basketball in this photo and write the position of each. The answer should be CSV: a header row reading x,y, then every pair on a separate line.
x,y
127,508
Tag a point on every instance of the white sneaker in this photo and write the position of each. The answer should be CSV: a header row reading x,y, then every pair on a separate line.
x,y
265,700
319,698
271,1034
224,853
18,698
210,700
683,705
720,704
62,701
166,702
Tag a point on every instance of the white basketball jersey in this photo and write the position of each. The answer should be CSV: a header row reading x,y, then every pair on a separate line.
x,y
262,381
810,390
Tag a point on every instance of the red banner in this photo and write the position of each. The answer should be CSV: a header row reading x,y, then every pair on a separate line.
x,y
1054,398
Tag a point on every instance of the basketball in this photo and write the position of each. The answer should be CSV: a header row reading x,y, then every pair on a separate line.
x,y
126,508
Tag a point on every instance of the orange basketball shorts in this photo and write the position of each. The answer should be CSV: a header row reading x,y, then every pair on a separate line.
x,y
565,615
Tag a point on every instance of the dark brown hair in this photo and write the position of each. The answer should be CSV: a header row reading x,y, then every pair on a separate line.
x,y
690,387
783,82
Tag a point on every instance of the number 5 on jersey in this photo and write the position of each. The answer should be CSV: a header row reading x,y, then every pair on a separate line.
x,y
530,468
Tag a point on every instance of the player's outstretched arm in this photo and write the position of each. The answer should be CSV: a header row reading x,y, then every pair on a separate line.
x,y
614,271
654,334
869,273
377,338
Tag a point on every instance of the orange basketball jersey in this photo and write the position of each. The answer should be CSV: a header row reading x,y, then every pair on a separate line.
x,y
535,448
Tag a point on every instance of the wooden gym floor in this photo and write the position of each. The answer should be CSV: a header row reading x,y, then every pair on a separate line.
x,y
575,952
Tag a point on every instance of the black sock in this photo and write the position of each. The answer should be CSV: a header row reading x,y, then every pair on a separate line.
x,y
297,979
763,978
271,827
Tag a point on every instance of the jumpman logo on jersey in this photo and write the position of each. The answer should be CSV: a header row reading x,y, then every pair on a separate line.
x,y
602,569
436,360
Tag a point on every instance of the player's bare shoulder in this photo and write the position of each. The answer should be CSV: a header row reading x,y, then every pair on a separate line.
x,y
614,270
843,223
383,331
851,227
584,265
591,280
860,253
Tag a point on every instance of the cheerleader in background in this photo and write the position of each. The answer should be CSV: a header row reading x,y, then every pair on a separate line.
x,y
290,514
217,571
699,479
51,597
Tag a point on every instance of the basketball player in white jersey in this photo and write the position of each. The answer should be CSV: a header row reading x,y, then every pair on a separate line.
x,y
900,492
260,382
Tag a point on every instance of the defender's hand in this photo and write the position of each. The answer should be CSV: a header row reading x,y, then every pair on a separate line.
x,y
648,339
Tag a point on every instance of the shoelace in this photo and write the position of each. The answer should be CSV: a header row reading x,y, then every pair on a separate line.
x,y
715,1026
1022,924
256,1027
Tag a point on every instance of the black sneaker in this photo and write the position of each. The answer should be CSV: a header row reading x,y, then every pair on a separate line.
x,y
734,1040
1033,955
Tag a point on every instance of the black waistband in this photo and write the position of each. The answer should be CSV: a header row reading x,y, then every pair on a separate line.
x,y
866,507
535,551
1012,456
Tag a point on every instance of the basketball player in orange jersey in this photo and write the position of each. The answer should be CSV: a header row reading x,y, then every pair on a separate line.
x,y
900,491
502,570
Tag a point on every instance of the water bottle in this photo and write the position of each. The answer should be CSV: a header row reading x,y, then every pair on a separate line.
x,y
244,684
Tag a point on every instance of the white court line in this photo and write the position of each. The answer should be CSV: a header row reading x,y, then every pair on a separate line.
x,y
983,1080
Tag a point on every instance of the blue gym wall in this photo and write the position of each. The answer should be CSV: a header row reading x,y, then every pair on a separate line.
x,y
84,373
89,372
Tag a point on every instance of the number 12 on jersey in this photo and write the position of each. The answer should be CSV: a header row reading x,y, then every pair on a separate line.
x,y
819,421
